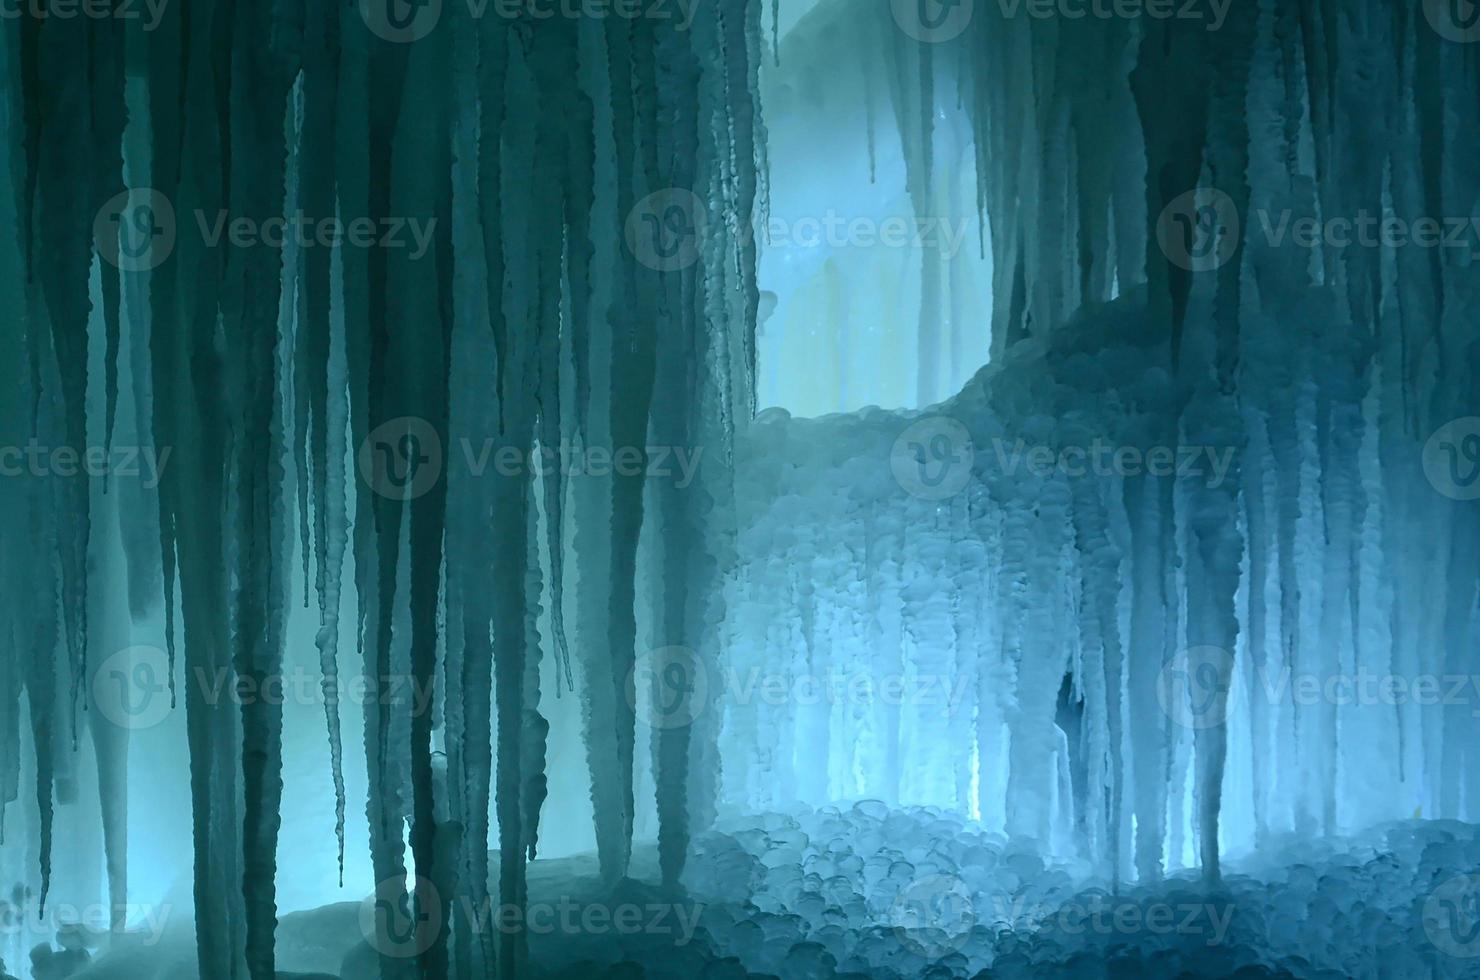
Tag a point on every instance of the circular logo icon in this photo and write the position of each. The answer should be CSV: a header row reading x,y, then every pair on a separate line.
x,y
1454,20
402,919
1451,459
932,459
131,688
402,458
1451,917
669,689
1199,231
135,231
666,230
401,21
933,915
932,21
1195,688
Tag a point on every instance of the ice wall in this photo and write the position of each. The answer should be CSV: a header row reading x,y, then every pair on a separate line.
x,y
1194,552
914,588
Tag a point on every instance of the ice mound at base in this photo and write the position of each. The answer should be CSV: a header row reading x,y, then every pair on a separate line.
x,y
865,891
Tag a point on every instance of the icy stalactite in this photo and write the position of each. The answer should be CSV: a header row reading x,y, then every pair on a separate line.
x,y
1100,563
482,594
470,548
1212,583
334,527
522,324
674,608
1148,502
1339,431
1038,611
58,119
634,318
35,633
366,91
318,385
190,414
418,325
257,548
468,664
556,76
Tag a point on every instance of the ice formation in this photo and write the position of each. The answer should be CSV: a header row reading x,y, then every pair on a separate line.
x,y
414,348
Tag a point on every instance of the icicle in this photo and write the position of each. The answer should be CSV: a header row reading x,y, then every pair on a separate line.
x,y
519,323
470,544
59,148
38,634
555,67
1099,568
321,411
634,323
250,308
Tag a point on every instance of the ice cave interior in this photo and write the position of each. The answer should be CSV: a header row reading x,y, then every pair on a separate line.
x,y
716,489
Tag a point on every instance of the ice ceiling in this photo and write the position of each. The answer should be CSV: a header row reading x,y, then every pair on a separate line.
x,y
385,499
